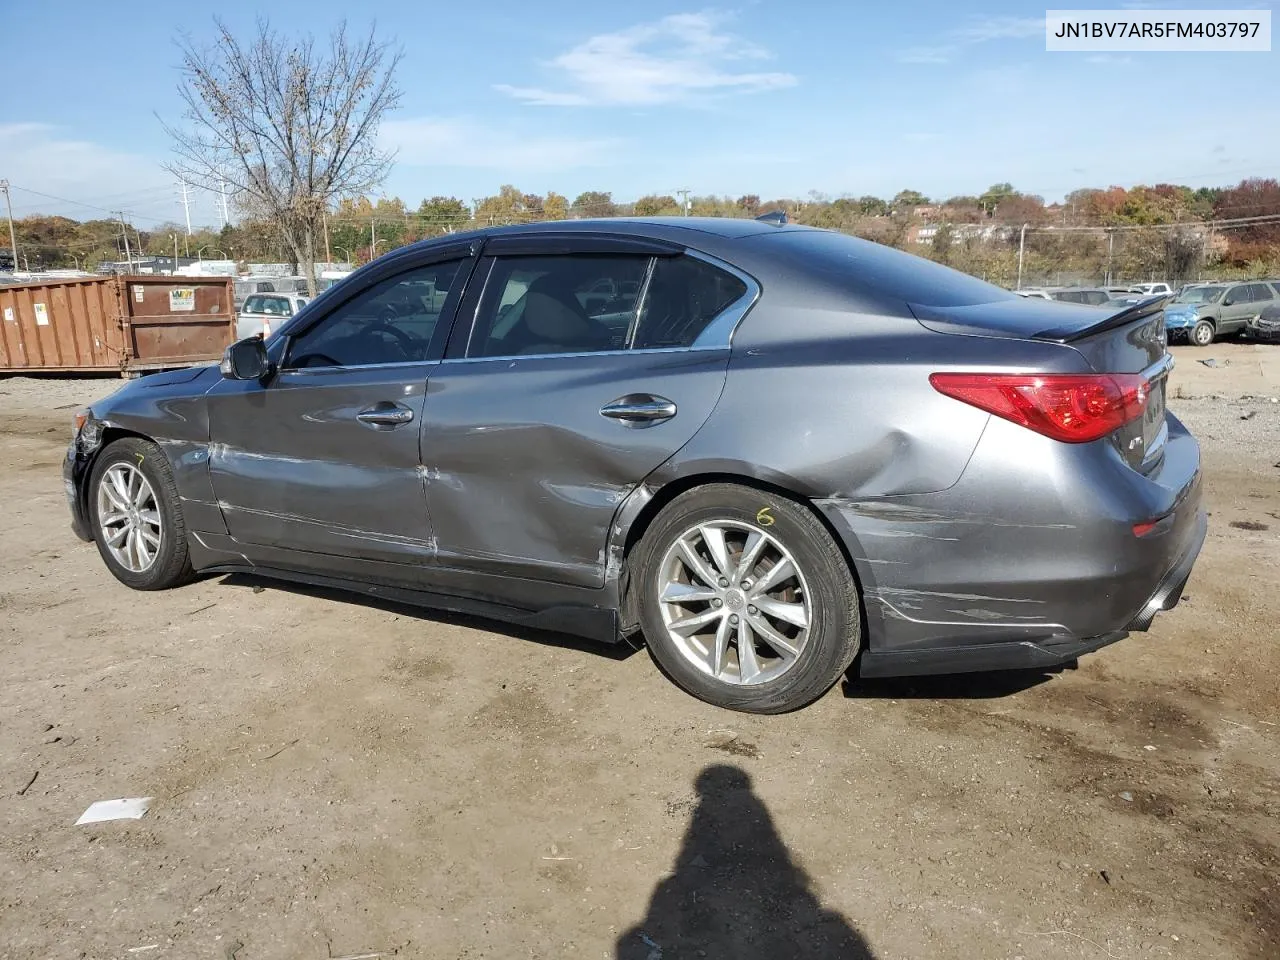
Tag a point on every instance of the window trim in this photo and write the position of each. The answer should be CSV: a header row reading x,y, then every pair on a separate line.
x,y
716,335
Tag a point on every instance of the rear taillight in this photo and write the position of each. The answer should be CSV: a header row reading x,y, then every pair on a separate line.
x,y
1073,408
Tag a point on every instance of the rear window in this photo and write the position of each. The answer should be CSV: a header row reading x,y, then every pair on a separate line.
x,y
273,306
865,267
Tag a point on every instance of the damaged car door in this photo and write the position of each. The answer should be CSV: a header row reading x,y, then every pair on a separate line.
x,y
323,456
553,404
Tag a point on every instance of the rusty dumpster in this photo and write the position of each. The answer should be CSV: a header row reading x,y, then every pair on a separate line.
x,y
114,324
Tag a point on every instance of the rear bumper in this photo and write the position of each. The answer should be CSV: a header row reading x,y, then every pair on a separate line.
x,y
1030,560
1034,654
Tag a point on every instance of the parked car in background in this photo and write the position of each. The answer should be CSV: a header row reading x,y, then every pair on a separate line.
x,y
653,468
1033,292
264,312
1091,296
1151,288
1205,312
247,286
1266,325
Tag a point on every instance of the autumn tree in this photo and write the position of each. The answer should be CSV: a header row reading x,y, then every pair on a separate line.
x,y
654,205
555,206
906,199
594,203
289,124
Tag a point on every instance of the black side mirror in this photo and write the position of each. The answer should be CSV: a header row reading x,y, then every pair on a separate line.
x,y
246,360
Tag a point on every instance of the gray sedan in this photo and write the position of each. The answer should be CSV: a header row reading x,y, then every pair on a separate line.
x,y
769,453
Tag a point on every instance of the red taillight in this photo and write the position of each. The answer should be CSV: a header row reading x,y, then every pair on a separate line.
x,y
1073,408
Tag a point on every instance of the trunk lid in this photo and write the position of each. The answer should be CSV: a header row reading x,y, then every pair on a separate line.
x,y
1132,340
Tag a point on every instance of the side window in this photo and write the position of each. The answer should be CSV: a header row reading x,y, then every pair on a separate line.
x,y
685,295
557,304
1259,292
1237,295
391,322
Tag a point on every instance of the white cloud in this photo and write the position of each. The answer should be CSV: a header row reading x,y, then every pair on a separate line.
x,y
976,31
679,57
446,142
42,162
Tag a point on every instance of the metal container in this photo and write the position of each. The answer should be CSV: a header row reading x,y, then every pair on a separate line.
x,y
124,324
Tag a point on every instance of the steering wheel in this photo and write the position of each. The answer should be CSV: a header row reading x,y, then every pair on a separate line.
x,y
412,347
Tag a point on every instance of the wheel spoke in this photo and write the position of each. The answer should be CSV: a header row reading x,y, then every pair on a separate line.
x,y
750,554
778,573
677,592
790,612
151,517
697,566
152,537
713,537
116,537
143,494
111,519
143,550
110,490
121,485
748,665
721,647
690,625
772,637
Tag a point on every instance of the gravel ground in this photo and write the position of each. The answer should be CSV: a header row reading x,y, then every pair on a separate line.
x,y
336,778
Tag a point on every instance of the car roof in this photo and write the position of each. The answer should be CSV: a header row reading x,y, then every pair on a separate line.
x,y
676,229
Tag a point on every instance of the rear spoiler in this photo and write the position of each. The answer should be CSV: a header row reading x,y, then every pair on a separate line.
x,y
1139,311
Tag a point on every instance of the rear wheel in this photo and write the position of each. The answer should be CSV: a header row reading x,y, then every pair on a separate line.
x,y
746,600
137,517
1202,333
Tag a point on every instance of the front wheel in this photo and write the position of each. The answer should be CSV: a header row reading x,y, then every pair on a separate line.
x,y
1202,333
137,516
746,600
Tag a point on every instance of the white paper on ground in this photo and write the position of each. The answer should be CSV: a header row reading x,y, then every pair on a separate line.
x,y
129,808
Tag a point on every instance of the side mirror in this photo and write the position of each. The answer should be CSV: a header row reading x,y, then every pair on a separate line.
x,y
1227,301
246,360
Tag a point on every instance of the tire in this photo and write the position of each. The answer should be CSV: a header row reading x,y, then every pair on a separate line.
x,y
1202,334
823,595
168,563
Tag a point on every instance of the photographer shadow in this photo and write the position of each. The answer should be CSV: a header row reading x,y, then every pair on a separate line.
x,y
735,891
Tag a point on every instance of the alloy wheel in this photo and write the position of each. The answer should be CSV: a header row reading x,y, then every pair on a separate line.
x,y
734,602
129,517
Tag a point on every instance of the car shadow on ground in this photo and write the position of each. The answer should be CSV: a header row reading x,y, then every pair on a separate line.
x,y
735,891
612,651
953,686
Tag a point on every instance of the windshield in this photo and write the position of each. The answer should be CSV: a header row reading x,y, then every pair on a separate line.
x,y
277,306
1200,295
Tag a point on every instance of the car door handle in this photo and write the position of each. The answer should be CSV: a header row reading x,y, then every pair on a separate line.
x,y
385,415
639,408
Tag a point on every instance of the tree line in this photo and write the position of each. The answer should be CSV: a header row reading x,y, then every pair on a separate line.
x,y
1140,230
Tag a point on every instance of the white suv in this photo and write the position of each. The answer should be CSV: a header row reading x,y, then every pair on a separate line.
x,y
1151,289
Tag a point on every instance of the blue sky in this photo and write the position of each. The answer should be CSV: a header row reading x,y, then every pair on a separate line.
x,y
773,97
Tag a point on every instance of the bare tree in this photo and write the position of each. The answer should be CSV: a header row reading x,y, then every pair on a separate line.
x,y
286,125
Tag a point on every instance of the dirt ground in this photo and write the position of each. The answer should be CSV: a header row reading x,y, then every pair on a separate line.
x,y
339,779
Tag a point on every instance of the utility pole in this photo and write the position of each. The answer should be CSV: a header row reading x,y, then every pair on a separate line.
x,y
328,255
186,209
226,217
372,240
125,230
13,240
174,271
1111,240
684,201
1022,243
